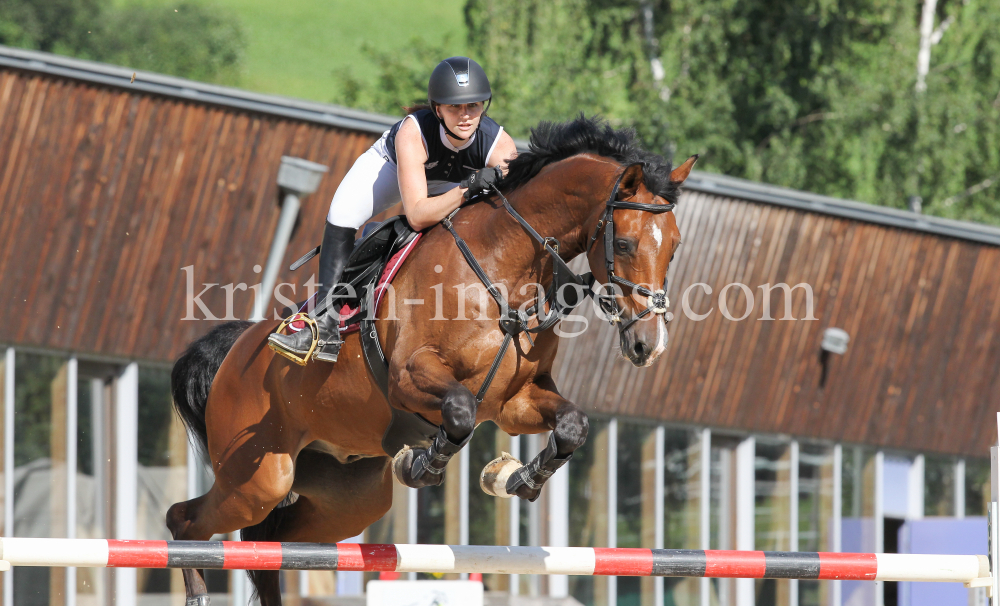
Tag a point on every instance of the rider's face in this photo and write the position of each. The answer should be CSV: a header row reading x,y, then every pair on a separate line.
x,y
463,120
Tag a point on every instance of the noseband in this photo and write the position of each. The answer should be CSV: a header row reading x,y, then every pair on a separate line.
x,y
657,300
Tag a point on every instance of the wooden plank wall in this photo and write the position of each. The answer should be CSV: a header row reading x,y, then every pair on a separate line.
x,y
922,311
105,195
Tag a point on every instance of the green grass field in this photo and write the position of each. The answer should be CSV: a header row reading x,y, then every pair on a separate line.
x,y
294,47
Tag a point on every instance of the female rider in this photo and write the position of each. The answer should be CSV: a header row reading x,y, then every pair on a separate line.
x,y
420,161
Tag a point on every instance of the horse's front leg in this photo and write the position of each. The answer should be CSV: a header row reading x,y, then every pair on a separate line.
x,y
428,386
536,408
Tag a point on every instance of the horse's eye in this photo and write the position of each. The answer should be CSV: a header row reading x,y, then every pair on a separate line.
x,y
622,245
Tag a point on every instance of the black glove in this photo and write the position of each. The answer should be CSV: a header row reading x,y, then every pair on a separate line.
x,y
482,181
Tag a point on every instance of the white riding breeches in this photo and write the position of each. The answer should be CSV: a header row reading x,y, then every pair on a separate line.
x,y
370,187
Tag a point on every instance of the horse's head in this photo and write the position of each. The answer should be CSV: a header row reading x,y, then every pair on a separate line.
x,y
634,241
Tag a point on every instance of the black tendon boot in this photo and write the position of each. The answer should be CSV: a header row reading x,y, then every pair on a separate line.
x,y
417,468
338,243
527,481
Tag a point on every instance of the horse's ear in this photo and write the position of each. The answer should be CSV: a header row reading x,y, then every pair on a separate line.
x,y
632,178
679,174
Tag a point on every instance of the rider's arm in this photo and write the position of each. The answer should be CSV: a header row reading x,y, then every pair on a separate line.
x,y
421,211
504,152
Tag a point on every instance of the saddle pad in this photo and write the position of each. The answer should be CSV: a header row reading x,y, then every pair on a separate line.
x,y
388,273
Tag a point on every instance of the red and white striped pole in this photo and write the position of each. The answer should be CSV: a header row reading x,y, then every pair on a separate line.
x,y
494,560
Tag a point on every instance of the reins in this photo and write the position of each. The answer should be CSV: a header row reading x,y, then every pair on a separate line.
x,y
514,321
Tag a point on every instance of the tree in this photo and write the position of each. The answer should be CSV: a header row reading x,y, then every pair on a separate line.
x,y
194,41
818,95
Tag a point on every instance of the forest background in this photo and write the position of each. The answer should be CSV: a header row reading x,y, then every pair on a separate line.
x,y
882,101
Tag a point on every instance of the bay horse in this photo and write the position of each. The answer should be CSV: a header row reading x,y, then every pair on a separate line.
x,y
296,450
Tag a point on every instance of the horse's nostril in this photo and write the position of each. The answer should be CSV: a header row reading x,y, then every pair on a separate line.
x,y
640,348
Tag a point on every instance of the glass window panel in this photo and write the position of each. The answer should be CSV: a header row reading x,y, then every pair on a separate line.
x,y
484,527
977,487
162,471
489,517
588,513
682,508
722,510
90,496
393,526
815,509
635,522
939,486
430,515
772,508
40,392
858,516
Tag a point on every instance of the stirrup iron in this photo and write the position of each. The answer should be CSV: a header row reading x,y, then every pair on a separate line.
x,y
290,355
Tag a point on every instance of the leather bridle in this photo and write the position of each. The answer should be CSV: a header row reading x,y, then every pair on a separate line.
x,y
513,321
657,299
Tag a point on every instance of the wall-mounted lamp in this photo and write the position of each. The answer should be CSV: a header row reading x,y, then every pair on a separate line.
x,y
835,340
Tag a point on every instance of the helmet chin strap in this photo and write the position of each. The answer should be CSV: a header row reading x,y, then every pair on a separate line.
x,y
434,106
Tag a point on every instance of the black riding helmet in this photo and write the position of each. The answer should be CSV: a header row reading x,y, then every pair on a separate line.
x,y
455,81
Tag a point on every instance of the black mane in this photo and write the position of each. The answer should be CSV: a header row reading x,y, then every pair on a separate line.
x,y
551,142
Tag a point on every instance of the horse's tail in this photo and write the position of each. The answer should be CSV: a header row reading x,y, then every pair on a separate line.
x,y
191,379
267,583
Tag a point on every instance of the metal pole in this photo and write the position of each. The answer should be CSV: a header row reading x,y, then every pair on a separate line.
x,y
282,234
613,503
658,497
514,530
879,519
838,515
126,474
745,478
558,519
705,504
8,466
994,518
463,501
71,456
793,517
412,517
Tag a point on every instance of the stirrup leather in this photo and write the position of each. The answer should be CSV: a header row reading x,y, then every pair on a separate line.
x,y
290,355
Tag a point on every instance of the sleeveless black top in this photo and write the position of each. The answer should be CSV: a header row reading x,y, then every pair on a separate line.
x,y
445,162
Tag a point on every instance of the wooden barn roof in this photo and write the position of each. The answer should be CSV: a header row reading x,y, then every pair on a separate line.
x,y
109,188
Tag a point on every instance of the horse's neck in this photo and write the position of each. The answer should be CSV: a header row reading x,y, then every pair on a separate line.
x,y
563,202
560,203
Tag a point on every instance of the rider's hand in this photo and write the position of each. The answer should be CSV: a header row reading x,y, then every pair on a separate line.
x,y
482,181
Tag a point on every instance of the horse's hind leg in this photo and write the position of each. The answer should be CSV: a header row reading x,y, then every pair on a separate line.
x,y
428,382
224,509
536,408
336,501
254,469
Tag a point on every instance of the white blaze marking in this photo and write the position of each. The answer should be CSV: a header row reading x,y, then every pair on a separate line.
x,y
658,235
661,340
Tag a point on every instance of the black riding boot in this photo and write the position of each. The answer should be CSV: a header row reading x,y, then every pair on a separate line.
x,y
338,243
527,481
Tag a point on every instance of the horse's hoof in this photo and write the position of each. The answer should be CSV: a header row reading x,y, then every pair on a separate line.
x,y
493,480
403,465
198,600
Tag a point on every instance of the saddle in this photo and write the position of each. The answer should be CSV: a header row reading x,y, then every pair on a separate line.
x,y
376,260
